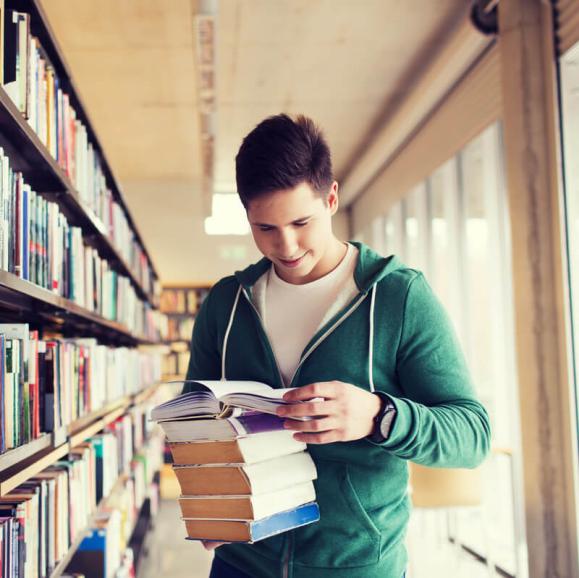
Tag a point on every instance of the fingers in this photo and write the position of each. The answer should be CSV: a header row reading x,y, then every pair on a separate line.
x,y
314,425
327,437
211,544
323,389
307,409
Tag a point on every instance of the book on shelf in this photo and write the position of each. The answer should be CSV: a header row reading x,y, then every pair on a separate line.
x,y
46,384
30,80
182,300
246,479
45,249
50,510
244,450
220,399
252,530
251,507
176,362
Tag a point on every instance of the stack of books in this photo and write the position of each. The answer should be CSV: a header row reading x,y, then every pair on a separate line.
x,y
243,477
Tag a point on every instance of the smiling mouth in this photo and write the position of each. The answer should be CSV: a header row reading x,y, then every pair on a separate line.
x,y
293,262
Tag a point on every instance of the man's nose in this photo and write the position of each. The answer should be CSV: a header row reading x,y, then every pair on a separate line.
x,y
287,244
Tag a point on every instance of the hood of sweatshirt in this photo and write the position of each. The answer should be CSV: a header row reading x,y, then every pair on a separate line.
x,y
370,269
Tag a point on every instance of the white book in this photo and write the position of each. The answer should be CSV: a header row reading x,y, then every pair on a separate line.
x,y
243,450
246,507
233,479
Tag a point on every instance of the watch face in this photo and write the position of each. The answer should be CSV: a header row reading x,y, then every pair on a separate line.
x,y
386,422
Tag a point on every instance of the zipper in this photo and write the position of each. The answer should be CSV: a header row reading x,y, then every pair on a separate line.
x,y
289,547
311,349
259,318
328,331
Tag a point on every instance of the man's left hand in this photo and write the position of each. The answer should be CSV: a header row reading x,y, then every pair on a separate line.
x,y
342,412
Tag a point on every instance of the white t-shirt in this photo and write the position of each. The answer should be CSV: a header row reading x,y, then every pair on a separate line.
x,y
293,313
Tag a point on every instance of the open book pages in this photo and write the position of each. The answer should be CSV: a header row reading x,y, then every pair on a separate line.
x,y
195,428
219,399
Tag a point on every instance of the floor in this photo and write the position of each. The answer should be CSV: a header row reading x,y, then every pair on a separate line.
x,y
171,556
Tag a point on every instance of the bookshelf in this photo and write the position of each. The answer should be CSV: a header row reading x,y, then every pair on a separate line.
x,y
180,304
75,272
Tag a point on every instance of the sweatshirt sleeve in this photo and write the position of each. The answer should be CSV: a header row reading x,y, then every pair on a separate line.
x,y
205,359
439,420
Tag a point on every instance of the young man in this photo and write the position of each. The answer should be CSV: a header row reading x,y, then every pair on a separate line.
x,y
363,333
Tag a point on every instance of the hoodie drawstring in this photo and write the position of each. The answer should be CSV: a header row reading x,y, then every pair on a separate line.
x,y
226,338
371,340
370,337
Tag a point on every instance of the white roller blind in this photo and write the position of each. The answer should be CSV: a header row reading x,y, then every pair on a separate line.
x,y
471,106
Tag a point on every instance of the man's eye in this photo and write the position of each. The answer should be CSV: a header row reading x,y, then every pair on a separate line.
x,y
301,224
266,229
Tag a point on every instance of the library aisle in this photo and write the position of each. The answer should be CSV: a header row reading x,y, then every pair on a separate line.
x,y
167,551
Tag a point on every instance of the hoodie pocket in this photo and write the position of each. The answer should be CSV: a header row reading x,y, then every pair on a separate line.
x,y
345,536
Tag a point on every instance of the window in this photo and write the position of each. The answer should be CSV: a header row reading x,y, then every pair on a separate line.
x,y
569,70
454,227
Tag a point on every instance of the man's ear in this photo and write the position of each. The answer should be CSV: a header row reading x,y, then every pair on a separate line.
x,y
332,198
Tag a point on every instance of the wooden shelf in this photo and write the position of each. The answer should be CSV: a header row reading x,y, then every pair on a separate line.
x,y
31,468
84,422
24,462
28,155
27,299
62,565
60,568
19,455
42,30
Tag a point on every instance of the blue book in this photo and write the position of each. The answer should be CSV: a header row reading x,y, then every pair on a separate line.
x,y
252,531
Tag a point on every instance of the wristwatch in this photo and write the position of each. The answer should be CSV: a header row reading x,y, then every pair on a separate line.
x,y
384,421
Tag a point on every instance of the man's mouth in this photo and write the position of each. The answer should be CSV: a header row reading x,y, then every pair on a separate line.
x,y
292,262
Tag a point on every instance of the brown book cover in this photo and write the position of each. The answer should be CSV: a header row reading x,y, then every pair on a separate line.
x,y
251,449
241,480
255,530
230,507
225,480
247,507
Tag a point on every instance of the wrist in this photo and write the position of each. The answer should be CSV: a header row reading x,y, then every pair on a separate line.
x,y
383,420
375,409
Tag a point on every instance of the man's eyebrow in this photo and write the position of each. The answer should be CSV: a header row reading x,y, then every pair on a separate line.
x,y
257,224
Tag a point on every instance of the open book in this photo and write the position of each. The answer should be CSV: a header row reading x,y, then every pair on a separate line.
x,y
220,399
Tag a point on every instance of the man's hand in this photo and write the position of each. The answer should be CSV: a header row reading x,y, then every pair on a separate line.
x,y
212,544
344,412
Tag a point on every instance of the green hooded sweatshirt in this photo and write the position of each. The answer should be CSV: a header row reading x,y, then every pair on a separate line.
x,y
361,489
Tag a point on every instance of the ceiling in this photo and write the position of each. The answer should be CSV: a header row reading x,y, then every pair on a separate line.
x,y
345,63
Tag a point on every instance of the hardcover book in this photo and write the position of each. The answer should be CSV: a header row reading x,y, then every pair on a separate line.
x,y
248,450
246,507
252,531
260,478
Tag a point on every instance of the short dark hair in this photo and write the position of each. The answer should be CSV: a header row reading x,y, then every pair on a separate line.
x,y
281,153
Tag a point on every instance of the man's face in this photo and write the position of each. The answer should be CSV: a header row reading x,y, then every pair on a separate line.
x,y
293,229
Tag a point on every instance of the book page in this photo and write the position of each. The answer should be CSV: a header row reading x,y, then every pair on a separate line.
x,y
220,388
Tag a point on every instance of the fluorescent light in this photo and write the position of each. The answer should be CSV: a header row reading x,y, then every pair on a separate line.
x,y
227,216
